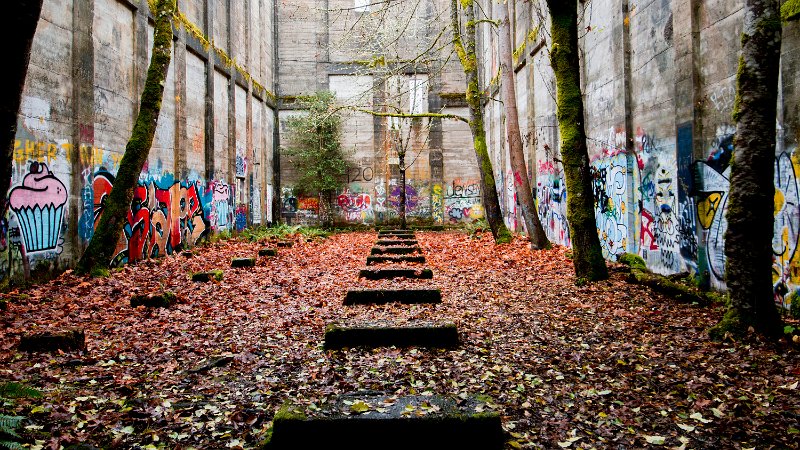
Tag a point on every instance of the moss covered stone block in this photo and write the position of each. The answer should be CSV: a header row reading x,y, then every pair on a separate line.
x,y
387,242
376,420
205,277
419,334
160,300
285,244
243,262
395,259
383,296
395,250
632,261
398,236
388,274
74,339
268,252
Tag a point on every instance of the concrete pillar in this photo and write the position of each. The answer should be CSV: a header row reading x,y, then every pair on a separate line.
x,y
181,134
209,132
83,115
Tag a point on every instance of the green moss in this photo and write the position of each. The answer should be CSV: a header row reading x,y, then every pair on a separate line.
x,y
790,10
730,325
633,261
794,305
289,412
100,272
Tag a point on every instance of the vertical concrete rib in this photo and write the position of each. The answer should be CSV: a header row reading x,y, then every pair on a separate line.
x,y
276,157
181,134
83,115
630,159
209,132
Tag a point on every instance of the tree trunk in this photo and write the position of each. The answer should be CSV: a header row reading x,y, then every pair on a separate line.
x,y
751,201
587,254
522,184
469,61
98,255
402,161
22,19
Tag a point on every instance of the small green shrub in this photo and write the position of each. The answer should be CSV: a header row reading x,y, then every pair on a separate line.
x,y
9,425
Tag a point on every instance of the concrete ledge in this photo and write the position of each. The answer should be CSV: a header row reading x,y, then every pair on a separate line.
x,y
205,277
374,420
53,341
395,231
397,242
397,236
394,259
421,334
386,274
382,296
268,252
395,250
243,262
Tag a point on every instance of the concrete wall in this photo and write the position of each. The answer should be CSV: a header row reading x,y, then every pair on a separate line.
x,y
659,86
362,56
210,168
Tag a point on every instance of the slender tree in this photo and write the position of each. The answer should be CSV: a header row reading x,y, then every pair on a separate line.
x,y
522,184
468,57
98,254
22,19
316,152
748,239
587,254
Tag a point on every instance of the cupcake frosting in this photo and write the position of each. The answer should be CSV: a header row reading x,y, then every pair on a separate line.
x,y
39,188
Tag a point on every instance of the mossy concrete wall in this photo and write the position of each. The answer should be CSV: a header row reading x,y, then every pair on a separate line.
x,y
81,97
659,89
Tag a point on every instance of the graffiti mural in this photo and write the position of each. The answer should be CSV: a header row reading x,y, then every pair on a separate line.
x,y
551,197
165,217
462,201
437,204
355,206
219,198
610,187
38,204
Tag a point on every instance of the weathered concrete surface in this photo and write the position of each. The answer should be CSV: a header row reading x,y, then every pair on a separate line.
x,y
395,259
395,250
53,341
422,334
389,422
381,296
386,274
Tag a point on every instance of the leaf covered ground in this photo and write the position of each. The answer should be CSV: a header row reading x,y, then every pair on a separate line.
x,y
605,365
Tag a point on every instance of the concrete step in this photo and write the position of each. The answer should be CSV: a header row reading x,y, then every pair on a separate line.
x,y
268,252
418,334
395,250
398,236
376,420
387,274
243,262
395,231
204,277
381,296
397,242
394,259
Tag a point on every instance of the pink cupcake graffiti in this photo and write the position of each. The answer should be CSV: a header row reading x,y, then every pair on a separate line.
x,y
39,206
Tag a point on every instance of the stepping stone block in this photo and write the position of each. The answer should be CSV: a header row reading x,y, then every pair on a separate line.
x,y
397,242
285,244
431,335
397,236
395,250
205,277
268,252
386,274
373,420
243,262
394,259
162,300
395,231
382,296
51,342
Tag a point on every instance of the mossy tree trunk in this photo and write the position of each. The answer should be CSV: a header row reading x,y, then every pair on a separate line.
x,y
22,19
467,55
522,184
748,240
587,254
101,248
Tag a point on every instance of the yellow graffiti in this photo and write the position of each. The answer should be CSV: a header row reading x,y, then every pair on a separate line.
x,y
707,209
476,212
39,151
779,201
